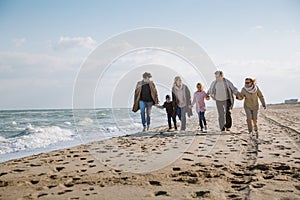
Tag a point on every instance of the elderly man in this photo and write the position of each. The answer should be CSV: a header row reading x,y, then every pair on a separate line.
x,y
222,90
145,95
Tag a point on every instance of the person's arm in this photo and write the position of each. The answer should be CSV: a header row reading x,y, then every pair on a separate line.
x,y
137,93
206,96
261,98
210,88
241,95
194,100
154,95
188,96
174,99
161,106
234,90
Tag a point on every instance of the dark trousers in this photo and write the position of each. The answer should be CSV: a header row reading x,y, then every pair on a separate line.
x,y
169,121
202,119
224,112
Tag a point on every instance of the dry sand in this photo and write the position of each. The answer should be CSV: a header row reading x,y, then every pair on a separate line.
x,y
163,165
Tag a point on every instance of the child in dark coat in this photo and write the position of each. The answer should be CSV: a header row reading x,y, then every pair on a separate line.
x,y
171,114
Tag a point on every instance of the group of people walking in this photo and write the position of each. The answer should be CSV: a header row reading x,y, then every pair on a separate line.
x,y
221,90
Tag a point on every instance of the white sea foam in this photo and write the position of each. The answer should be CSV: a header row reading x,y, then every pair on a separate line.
x,y
38,137
29,132
85,121
2,139
68,123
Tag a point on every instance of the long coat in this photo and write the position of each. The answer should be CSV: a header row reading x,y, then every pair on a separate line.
x,y
137,95
187,95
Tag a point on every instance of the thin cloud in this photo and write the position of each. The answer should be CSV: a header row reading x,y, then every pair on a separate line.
x,y
75,43
258,28
26,63
19,42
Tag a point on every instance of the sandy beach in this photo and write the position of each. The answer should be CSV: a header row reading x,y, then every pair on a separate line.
x,y
170,165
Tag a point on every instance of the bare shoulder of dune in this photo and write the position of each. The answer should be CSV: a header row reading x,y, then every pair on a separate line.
x,y
164,165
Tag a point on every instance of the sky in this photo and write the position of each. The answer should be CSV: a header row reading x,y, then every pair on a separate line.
x,y
45,43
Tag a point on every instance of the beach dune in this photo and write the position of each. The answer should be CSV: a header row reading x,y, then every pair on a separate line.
x,y
164,165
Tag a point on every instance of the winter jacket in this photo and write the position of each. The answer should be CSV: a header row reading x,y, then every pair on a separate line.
x,y
137,95
231,89
187,95
251,99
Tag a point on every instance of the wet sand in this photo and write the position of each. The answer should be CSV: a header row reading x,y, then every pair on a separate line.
x,y
170,165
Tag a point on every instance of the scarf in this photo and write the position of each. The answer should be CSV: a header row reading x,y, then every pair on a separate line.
x,y
252,89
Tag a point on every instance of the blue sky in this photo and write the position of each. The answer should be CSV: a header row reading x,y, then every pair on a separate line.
x,y
44,43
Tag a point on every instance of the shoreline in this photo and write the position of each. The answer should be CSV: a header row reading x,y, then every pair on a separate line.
x,y
162,165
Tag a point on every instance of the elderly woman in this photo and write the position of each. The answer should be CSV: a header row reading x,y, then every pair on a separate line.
x,y
251,93
181,101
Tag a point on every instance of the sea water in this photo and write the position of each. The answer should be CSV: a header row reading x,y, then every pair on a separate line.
x,y
28,132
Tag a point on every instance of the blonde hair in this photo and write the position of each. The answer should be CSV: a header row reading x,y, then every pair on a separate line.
x,y
177,78
251,79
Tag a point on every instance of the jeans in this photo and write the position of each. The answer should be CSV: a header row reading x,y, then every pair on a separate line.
x,y
181,113
145,107
223,107
202,119
169,121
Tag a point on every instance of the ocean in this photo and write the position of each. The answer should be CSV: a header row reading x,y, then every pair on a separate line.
x,y
28,132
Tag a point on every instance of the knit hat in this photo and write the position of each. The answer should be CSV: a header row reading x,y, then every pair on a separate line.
x,y
168,96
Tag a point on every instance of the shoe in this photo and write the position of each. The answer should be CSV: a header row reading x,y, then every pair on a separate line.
x,y
169,130
223,129
255,129
148,128
227,129
175,128
205,128
144,129
201,129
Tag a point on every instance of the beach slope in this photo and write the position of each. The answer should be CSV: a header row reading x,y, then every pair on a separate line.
x,y
164,165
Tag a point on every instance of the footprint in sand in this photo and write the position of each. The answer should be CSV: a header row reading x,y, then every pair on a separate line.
x,y
59,168
19,170
187,159
161,193
33,182
258,185
42,194
176,169
156,183
63,192
3,173
200,194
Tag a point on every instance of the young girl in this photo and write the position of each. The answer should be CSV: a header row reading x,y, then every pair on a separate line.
x,y
198,99
251,93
